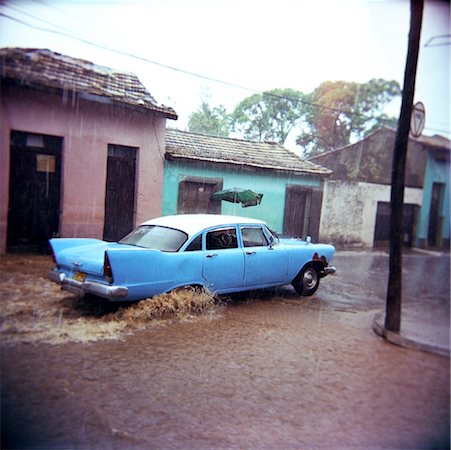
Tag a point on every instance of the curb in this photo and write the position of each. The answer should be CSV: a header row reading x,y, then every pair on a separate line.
x,y
403,341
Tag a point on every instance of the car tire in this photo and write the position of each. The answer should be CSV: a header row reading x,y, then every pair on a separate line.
x,y
307,281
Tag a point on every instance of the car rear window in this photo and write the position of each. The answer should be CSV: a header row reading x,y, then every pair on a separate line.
x,y
156,238
222,239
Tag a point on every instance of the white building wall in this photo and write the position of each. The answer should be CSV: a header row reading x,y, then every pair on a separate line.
x,y
349,209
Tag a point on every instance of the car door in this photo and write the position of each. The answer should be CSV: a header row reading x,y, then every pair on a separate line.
x,y
223,267
265,264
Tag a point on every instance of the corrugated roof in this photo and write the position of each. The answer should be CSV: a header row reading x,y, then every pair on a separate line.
x,y
41,68
262,155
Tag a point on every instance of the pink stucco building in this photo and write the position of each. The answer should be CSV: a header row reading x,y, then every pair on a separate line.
x,y
82,150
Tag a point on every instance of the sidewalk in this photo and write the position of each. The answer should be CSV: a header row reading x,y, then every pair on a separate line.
x,y
416,332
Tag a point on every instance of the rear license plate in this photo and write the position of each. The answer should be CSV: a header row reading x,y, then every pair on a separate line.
x,y
79,276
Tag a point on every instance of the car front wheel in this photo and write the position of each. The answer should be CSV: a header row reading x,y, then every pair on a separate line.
x,y
307,282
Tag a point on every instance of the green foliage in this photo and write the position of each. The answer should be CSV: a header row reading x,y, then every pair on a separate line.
x,y
269,116
342,110
210,120
331,116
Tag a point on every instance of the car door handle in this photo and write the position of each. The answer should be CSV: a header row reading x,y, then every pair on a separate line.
x,y
250,253
211,255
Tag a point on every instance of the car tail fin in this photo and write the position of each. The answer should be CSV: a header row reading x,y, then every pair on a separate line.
x,y
107,271
52,254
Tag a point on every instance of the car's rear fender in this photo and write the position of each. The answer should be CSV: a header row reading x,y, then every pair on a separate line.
x,y
85,255
139,268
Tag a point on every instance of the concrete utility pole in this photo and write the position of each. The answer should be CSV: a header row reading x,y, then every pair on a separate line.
x,y
394,292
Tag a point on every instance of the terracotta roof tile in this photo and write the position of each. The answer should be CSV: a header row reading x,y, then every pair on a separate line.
x,y
262,155
46,69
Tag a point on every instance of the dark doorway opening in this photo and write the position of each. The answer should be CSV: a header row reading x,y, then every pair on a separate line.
x,y
382,228
120,192
435,215
34,191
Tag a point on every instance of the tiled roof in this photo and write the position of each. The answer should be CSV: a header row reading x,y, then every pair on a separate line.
x,y
262,155
40,68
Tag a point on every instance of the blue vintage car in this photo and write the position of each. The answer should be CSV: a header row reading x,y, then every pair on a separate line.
x,y
223,254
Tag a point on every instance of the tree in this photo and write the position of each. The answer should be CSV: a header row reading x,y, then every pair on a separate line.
x,y
269,116
210,120
341,110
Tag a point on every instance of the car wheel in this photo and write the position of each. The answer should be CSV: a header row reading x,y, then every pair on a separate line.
x,y
307,281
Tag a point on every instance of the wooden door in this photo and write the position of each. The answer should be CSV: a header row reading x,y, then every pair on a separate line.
x,y
120,192
302,211
435,217
194,196
34,191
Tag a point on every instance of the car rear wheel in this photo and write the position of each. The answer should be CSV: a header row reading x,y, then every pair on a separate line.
x,y
307,281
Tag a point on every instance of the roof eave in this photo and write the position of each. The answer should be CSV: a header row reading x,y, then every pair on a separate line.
x,y
95,98
252,166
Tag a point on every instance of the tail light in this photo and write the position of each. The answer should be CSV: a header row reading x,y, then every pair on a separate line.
x,y
107,272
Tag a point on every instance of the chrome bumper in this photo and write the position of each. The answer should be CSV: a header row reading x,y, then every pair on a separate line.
x,y
87,287
328,270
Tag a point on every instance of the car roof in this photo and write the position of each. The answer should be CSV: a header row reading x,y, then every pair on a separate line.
x,y
192,224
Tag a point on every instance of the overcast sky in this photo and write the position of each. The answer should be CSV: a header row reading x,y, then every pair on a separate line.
x,y
247,45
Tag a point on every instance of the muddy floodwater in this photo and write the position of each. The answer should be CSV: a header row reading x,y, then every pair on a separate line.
x,y
264,370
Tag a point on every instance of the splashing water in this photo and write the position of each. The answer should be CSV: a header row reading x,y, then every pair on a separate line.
x,y
181,303
35,310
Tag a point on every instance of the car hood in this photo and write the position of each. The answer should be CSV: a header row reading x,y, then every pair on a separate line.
x,y
84,255
292,241
326,250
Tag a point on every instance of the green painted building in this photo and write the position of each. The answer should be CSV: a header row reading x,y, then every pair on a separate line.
x,y
196,166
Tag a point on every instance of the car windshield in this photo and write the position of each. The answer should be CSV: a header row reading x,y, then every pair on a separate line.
x,y
156,238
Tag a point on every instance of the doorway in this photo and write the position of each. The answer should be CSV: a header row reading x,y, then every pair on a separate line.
x,y
120,192
302,211
435,215
382,227
34,191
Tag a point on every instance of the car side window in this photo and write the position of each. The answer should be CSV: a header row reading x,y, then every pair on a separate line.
x,y
222,239
253,237
195,245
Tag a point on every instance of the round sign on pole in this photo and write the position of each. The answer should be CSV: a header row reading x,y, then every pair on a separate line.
x,y
418,119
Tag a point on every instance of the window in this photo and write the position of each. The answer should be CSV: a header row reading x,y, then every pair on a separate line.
x,y
156,238
222,239
195,245
253,237
195,193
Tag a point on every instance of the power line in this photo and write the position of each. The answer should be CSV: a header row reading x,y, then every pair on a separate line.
x,y
66,34
124,53
173,68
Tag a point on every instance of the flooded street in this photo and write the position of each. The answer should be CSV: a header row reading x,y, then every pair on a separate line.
x,y
269,370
